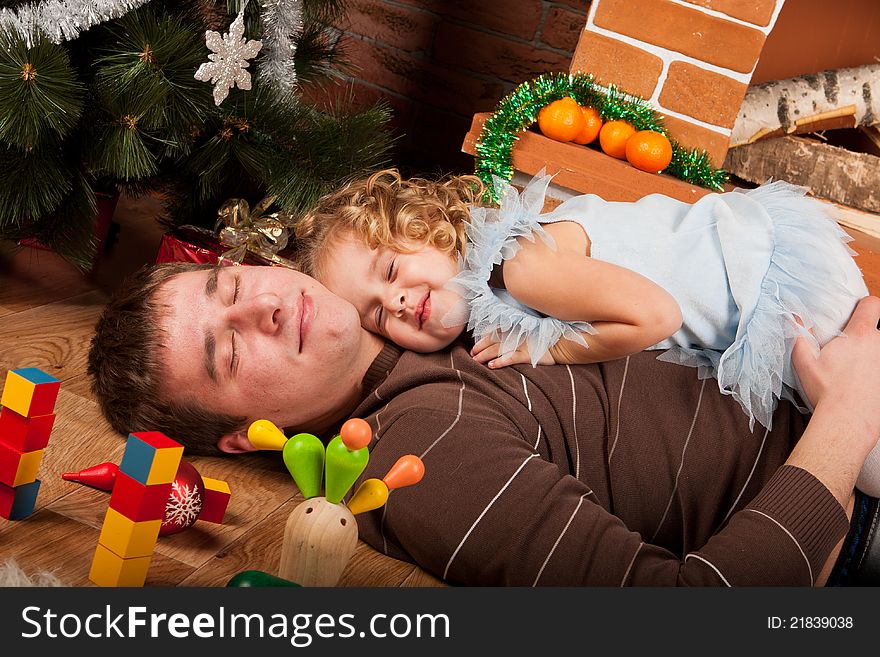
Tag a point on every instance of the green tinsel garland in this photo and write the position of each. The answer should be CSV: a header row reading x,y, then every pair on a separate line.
x,y
519,110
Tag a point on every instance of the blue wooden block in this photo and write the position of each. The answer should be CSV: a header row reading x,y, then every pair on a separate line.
x,y
151,458
19,502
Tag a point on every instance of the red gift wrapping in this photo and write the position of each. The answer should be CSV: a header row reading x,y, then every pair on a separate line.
x,y
199,245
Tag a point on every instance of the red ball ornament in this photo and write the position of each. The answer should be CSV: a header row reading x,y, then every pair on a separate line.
x,y
185,501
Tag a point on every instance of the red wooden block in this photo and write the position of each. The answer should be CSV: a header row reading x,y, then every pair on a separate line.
x,y
25,434
217,496
138,502
17,467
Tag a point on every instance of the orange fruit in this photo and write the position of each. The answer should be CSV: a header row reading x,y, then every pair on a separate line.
x,y
613,137
592,125
561,120
649,151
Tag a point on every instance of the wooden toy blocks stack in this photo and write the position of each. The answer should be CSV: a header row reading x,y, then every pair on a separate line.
x,y
26,419
137,505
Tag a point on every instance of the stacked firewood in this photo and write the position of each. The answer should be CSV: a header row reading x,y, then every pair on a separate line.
x,y
786,129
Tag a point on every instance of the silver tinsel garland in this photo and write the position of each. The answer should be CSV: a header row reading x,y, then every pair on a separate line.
x,y
281,20
63,20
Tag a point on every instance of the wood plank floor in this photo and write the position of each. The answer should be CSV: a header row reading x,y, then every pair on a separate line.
x,y
47,313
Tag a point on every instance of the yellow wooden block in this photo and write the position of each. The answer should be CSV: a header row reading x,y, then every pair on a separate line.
x,y
151,457
29,391
216,485
217,494
127,538
165,465
27,467
109,569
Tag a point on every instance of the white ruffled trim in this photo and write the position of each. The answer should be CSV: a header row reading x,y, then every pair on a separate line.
x,y
492,238
810,275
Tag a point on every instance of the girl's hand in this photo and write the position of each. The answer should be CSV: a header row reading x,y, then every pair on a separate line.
x,y
487,349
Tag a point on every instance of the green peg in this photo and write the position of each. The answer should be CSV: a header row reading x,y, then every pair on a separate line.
x,y
343,467
303,455
251,578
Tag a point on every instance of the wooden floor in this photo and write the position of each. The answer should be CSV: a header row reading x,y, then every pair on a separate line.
x,y
47,311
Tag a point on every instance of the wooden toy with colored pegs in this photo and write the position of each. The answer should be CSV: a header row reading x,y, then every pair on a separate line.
x,y
26,420
321,533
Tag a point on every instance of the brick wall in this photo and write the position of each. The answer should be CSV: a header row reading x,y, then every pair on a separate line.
x,y
692,59
437,62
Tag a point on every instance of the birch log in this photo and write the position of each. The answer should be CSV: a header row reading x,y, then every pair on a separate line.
x,y
841,98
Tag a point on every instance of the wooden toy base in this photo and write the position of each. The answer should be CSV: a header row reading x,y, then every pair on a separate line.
x,y
319,539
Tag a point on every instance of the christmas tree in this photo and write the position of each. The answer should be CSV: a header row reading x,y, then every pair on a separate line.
x,y
202,101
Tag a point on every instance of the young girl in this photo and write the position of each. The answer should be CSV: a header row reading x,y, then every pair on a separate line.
x,y
726,284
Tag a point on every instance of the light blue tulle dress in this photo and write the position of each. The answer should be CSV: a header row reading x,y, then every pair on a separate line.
x,y
740,264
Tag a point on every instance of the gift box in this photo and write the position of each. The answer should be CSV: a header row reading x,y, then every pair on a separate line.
x,y
242,237
198,245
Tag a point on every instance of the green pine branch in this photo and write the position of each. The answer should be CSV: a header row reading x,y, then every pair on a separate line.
x,y
40,95
35,183
329,148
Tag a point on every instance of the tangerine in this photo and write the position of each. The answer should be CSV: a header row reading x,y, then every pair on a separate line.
x,y
649,151
561,120
592,125
613,137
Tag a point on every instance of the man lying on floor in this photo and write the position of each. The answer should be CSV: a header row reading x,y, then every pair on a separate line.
x,y
632,472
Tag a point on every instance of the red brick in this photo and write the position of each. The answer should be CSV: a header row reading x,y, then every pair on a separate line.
x,y
562,28
685,30
397,26
491,55
756,12
702,94
691,135
517,18
614,62
424,80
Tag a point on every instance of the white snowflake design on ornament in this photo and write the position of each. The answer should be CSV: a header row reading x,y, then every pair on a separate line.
x,y
229,59
184,505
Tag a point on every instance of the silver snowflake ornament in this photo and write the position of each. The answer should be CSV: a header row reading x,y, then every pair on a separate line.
x,y
183,506
229,59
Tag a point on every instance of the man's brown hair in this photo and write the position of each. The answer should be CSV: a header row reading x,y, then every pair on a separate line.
x,y
126,368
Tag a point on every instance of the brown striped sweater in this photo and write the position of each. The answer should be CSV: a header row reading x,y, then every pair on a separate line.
x,y
632,472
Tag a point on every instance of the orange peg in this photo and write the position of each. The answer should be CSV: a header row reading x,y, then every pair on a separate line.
x,y
356,433
408,470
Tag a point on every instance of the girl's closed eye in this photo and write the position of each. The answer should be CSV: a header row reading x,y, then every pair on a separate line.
x,y
380,311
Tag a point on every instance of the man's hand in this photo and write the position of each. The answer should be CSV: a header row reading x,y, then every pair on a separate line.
x,y
845,376
487,349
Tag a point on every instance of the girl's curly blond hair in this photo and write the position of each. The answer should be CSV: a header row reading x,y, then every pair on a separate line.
x,y
386,209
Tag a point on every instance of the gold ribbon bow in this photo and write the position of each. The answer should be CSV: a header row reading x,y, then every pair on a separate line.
x,y
244,229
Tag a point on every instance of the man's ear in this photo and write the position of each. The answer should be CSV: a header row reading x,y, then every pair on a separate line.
x,y
235,443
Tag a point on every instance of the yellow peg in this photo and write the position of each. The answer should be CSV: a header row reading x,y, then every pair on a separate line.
x,y
370,495
264,435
